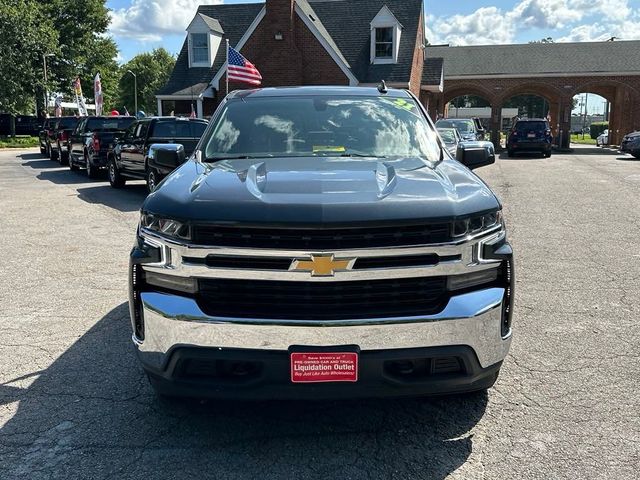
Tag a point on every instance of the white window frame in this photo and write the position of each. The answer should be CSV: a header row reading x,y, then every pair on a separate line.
x,y
383,20
206,63
375,42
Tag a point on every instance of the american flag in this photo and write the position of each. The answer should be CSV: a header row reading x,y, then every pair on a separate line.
x,y
242,70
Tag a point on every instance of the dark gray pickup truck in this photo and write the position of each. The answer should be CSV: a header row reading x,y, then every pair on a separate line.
x,y
321,242
130,157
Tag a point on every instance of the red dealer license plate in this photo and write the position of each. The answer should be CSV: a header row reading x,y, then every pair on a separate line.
x,y
324,367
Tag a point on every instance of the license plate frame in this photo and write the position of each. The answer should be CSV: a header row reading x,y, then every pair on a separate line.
x,y
309,365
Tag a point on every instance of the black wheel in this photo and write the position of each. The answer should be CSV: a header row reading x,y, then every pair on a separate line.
x,y
152,179
72,166
43,151
547,154
509,153
62,158
637,154
92,171
115,178
53,154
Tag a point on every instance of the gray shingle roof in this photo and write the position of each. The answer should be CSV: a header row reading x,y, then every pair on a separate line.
x,y
344,24
235,20
349,24
432,72
539,58
212,23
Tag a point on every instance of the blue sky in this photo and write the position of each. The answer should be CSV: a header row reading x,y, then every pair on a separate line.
x,y
141,25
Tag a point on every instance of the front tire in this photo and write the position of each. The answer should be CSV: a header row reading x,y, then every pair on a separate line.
x,y
116,180
92,171
152,179
72,166
53,155
62,158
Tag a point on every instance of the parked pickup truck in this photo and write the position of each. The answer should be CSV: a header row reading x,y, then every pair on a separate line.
x,y
130,156
321,242
92,139
59,139
43,135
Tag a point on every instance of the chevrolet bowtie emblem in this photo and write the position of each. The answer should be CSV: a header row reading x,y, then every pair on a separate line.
x,y
322,265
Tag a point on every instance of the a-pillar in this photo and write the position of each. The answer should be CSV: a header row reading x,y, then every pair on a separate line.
x,y
495,124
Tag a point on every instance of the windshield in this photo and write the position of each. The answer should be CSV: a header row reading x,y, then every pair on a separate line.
x,y
463,126
531,126
108,123
322,126
179,129
68,122
448,135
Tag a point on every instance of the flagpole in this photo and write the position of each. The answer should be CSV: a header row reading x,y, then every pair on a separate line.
x,y
227,72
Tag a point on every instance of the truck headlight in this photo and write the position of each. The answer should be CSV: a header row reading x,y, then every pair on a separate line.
x,y
476,224
165,226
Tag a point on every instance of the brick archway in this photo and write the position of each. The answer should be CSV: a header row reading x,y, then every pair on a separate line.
x,y
623,92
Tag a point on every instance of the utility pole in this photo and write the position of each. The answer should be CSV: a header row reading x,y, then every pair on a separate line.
x,y
135,92
46,88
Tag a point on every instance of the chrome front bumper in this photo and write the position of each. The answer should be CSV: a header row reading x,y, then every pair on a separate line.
x,y
472,319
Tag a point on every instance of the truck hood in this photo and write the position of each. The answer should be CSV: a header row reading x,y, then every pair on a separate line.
x,y
320,191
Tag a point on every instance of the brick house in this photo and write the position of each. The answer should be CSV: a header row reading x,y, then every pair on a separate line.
x,y
302,42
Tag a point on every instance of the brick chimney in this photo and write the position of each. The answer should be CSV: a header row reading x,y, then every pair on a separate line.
x,y
279,17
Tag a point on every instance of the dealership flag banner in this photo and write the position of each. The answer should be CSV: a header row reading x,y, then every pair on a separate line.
x,y
97,93
58,105
241,70
77,88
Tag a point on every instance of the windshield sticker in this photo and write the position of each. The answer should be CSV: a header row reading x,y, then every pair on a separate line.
x,y
328,148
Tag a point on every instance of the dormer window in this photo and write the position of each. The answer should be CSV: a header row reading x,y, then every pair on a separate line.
x,y
384,42
204,37
199,49
385,37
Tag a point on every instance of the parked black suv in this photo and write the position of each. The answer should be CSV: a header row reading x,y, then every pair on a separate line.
x,y
129,157
532,135
92,139
321,242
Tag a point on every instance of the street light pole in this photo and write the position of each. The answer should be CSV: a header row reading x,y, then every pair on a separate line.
x,y
46,89
135,91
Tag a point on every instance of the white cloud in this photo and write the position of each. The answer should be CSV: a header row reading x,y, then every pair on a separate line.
x,y
486,25
149,20
491,25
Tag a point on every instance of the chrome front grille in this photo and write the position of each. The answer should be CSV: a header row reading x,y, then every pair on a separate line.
x,y
384,282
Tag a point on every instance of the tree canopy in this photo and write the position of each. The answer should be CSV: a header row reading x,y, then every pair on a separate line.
x,y
27,35
152,70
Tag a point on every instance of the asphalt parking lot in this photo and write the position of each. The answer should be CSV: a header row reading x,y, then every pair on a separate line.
x,y
75,404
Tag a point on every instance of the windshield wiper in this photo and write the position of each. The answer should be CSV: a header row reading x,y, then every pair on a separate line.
x,y
361,155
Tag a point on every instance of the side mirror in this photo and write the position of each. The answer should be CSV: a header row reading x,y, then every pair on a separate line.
x,y
167,156
476,154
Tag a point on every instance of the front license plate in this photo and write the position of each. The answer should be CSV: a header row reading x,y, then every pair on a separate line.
x,y
309,367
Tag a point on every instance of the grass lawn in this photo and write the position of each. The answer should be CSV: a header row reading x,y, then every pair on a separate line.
x,y
587,140
18,142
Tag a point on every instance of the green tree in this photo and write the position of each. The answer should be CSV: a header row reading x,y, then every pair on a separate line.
x,y
472,101
152,70
26,35
543,40
83,49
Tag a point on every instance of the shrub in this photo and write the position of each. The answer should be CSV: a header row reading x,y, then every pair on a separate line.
x,y
597,128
